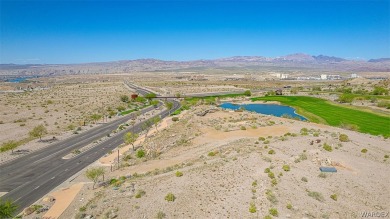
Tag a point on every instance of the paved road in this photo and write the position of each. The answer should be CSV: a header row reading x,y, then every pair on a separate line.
x,y
30,177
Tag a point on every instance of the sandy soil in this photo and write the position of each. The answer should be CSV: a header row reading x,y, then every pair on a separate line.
x,y
63,198
224,183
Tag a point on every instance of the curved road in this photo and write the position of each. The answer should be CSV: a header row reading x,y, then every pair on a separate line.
x,y
30,177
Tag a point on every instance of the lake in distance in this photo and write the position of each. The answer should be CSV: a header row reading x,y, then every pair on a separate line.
x,y
268,109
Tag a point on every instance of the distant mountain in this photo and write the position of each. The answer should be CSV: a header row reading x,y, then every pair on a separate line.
x,y
296,61
380,60
322,58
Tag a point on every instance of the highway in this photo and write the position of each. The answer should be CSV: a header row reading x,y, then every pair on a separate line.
x,y
32,176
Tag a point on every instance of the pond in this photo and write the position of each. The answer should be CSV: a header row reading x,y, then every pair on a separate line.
x,y
268,109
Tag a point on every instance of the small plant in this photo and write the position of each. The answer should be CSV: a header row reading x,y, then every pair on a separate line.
x,y
140,193
364,150
327,147
140,153
386,156
304,179
242,128
334,197
160,215
179,174
266,142
268,217
274,182
267,170
286,168
316,195
271,152
170,197
322,175
252,208
175,119
261,139
273,212
271,197
289,206
343,138
271,175
83,208
211,154
254,183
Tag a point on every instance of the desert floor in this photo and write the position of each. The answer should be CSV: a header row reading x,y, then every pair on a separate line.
x,y
224,165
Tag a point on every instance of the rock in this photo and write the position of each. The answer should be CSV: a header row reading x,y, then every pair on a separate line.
x,y
288,216
48,199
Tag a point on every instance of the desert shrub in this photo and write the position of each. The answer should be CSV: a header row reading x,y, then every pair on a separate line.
x,y
327,147
384,104
83,208
364,150
254,183
267,170
179,174
351,127
322,175
304,179
247,93
289,206
316,195
274,182
271,175
273,212
266,142
252,208
343,138
211,154
170,197
271,197
160,215
304,131
242,128
334,197
286,168
268,217
175,119
380,91
386,156
261,139
271,152
140,153
140,193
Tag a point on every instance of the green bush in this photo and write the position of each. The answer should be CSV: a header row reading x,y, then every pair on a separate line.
x,y
271,152
273,212
334,197
267,170
286,168
343,138
271,175
179,174
289,206
170,197
140,193
211,154
261,138
160,215
327,147
252,208
364,150
386,156
140,153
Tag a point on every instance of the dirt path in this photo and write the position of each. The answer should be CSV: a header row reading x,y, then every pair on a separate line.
x,y
63,199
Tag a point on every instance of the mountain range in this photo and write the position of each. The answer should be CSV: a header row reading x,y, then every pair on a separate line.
x,y
296,61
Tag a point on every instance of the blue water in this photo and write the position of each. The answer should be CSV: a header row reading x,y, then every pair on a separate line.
x,y
17,80
268,109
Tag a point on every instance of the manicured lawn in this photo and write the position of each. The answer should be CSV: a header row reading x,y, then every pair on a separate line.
x,y
322,111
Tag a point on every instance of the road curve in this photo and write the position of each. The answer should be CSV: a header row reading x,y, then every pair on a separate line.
x,y
30,177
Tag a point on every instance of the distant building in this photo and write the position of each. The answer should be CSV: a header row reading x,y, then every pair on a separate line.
x,y
324,77
353,75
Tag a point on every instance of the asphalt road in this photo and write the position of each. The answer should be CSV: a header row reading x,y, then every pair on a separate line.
x,y
32,176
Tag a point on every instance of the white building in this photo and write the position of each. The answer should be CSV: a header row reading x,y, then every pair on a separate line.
x,y
324,77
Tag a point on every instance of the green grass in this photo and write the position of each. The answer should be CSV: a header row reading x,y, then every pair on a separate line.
x,y
133,110
322,111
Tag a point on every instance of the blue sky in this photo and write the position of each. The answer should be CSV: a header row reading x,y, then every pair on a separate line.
x,y
93,31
